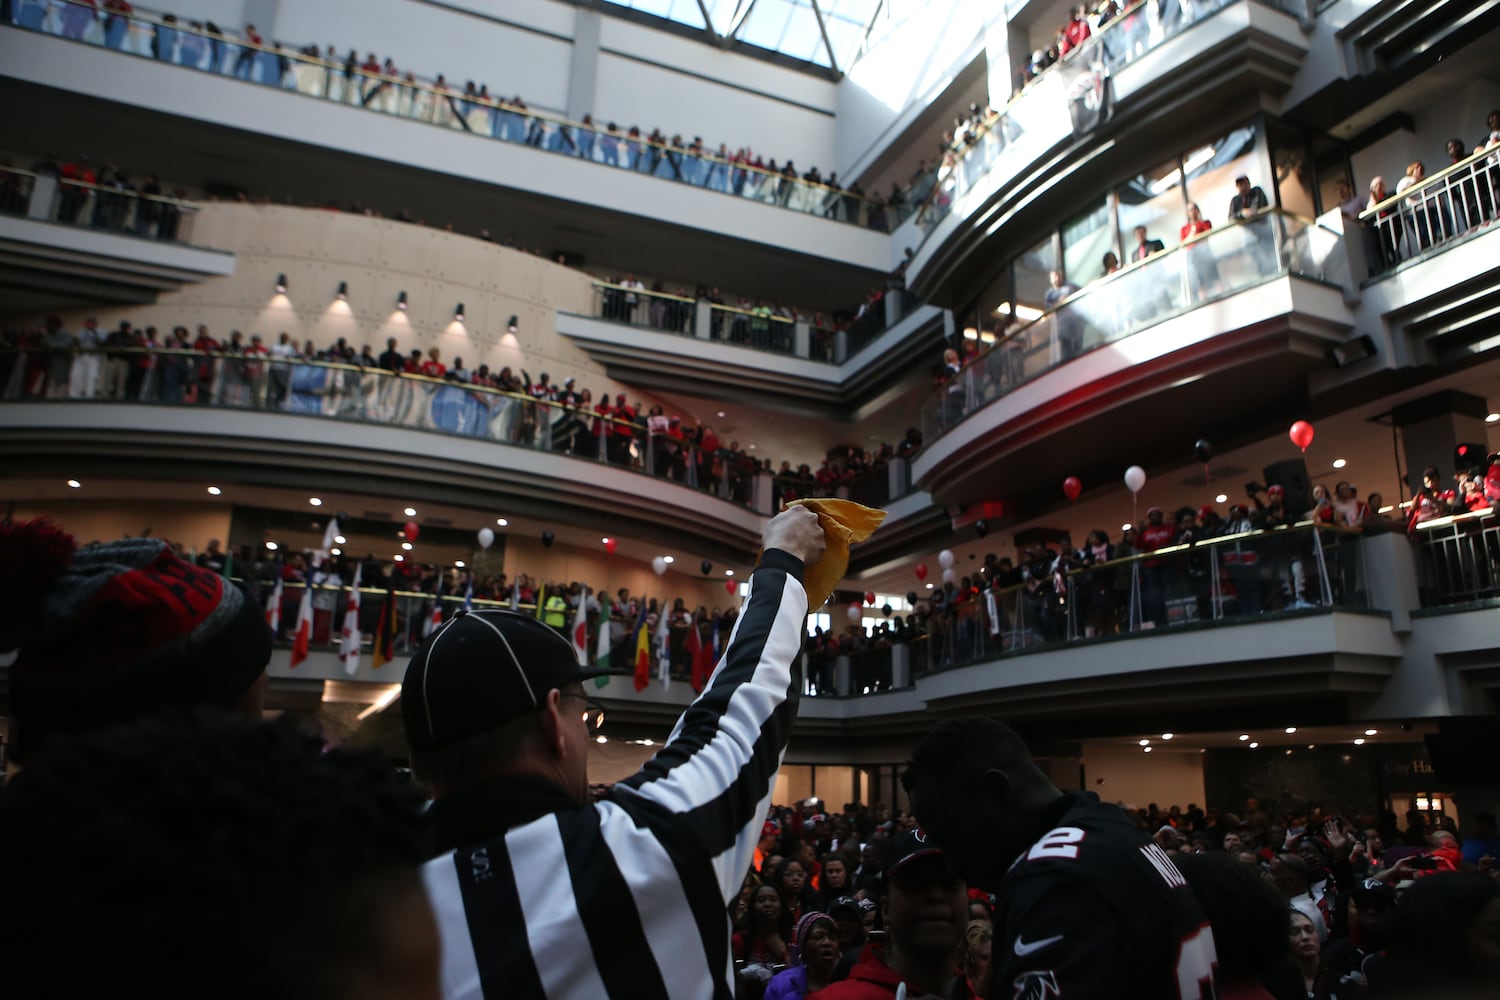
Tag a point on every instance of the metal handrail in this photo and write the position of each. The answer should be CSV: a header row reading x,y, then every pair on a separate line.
x,y
189,206
1417,190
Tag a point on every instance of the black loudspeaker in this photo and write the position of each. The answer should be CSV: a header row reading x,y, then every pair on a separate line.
x,y
1469,455
1291,475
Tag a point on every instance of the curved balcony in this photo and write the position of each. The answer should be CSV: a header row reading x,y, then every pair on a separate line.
x,y
1216,326
297,423
1132,86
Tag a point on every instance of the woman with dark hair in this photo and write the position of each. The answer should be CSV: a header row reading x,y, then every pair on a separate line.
x,y
790,878
1306,951
814,956
758,939
835,876
1446,936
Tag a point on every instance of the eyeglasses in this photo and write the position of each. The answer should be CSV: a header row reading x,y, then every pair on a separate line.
x,y
593,712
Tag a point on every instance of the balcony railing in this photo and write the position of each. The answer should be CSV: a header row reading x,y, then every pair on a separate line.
x,y
1458,559
667,313
1133,32
50,197
362,394
1211,266
1433,213
163,38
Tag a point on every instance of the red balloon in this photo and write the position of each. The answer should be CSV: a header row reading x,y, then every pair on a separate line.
x,y
1301,434
1072,487
729,587
411,531
869,597
610,545
921,571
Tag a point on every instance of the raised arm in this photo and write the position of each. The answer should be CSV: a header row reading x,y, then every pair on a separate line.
x,y
717,770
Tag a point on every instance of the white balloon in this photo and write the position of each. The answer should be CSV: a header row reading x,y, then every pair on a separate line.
x,y
945,559
1135,478
950,575
486,538
855,613
658,565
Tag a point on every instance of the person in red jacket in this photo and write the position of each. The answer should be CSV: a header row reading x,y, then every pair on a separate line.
x,y
926,909
1155,534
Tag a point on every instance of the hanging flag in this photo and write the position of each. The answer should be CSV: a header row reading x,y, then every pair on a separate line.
x,y
642,651
435,619
603,656
469,593
303,634
702,653
351,647
330,534
541,598
273,609
383,648
992,609
663,648
581,628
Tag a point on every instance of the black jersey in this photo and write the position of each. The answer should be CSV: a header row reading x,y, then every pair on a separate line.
x,y
1094,908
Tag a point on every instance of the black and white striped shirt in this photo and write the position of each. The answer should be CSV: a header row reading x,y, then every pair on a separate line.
x,y
628,897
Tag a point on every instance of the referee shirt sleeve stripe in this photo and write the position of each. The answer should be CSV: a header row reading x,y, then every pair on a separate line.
x,y
474,888
718,767
550,913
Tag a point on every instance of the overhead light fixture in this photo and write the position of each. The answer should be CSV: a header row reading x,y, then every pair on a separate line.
x,y
1359,742
343,291
1222,498
340,539
1254,745
1145,743
399,557
458,312
729,572
601,740
929,586
605,540
214,491
281,284
315,501
502,522
1147,749
410,512
1312,746
1370,732
511,326
401,301
1290,730
271,546
1493,418
75,484
406,546
1244,737
458,563
721,413
1167,736
970,333
1126,526
1339,463
1026,314
668,560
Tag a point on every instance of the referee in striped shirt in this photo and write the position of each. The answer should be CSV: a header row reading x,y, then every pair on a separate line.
x,y
540,893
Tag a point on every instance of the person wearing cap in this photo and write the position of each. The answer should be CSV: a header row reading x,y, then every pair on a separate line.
x,y
925,910
118,630
1087,905
541,892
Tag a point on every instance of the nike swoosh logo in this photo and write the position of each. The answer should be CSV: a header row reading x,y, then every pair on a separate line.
x,y
1023,949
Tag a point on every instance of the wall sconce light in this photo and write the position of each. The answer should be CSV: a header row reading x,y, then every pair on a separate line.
x,y
281,284
511,325
458,312
343,291
401,302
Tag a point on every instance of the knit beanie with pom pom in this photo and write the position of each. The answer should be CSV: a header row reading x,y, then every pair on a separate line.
x,y
116,630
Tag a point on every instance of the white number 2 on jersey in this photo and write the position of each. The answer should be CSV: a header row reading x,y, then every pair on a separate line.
x,y
1060,843
1196,961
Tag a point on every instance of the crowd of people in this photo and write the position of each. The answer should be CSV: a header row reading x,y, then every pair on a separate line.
x,y
379,85
1469,200
310,870
106,198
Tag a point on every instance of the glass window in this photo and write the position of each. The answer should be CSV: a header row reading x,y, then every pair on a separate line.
x,y
1294,172
1031,277
1211,171
1086,238
1152,201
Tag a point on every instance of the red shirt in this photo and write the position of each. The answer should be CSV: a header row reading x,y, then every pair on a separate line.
x,y
624,415
434,369
870,979
1194,228
1154,536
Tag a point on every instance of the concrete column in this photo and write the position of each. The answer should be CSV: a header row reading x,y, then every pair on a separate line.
x,y
898,473
1431,427
583,71
900,666
892,300
840,346
841,676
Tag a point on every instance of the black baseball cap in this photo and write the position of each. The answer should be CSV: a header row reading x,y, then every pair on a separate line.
x,y
481,670
902,850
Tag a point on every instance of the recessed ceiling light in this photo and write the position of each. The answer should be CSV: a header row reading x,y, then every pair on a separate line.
x,y
75,484
1290,730
752,447
1359,742
1310,746
502,522
271,546
1254,745
340,539
406,546
1145,743
1493,418
335,552
601,739
1148,749
721,413
1126,526
668,560
605,539
929,586
399,557
214,491
1244,737
458,563
1222,498
315,501
1339,463
1370,732
1289,752
729,572
1166,736
410,512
